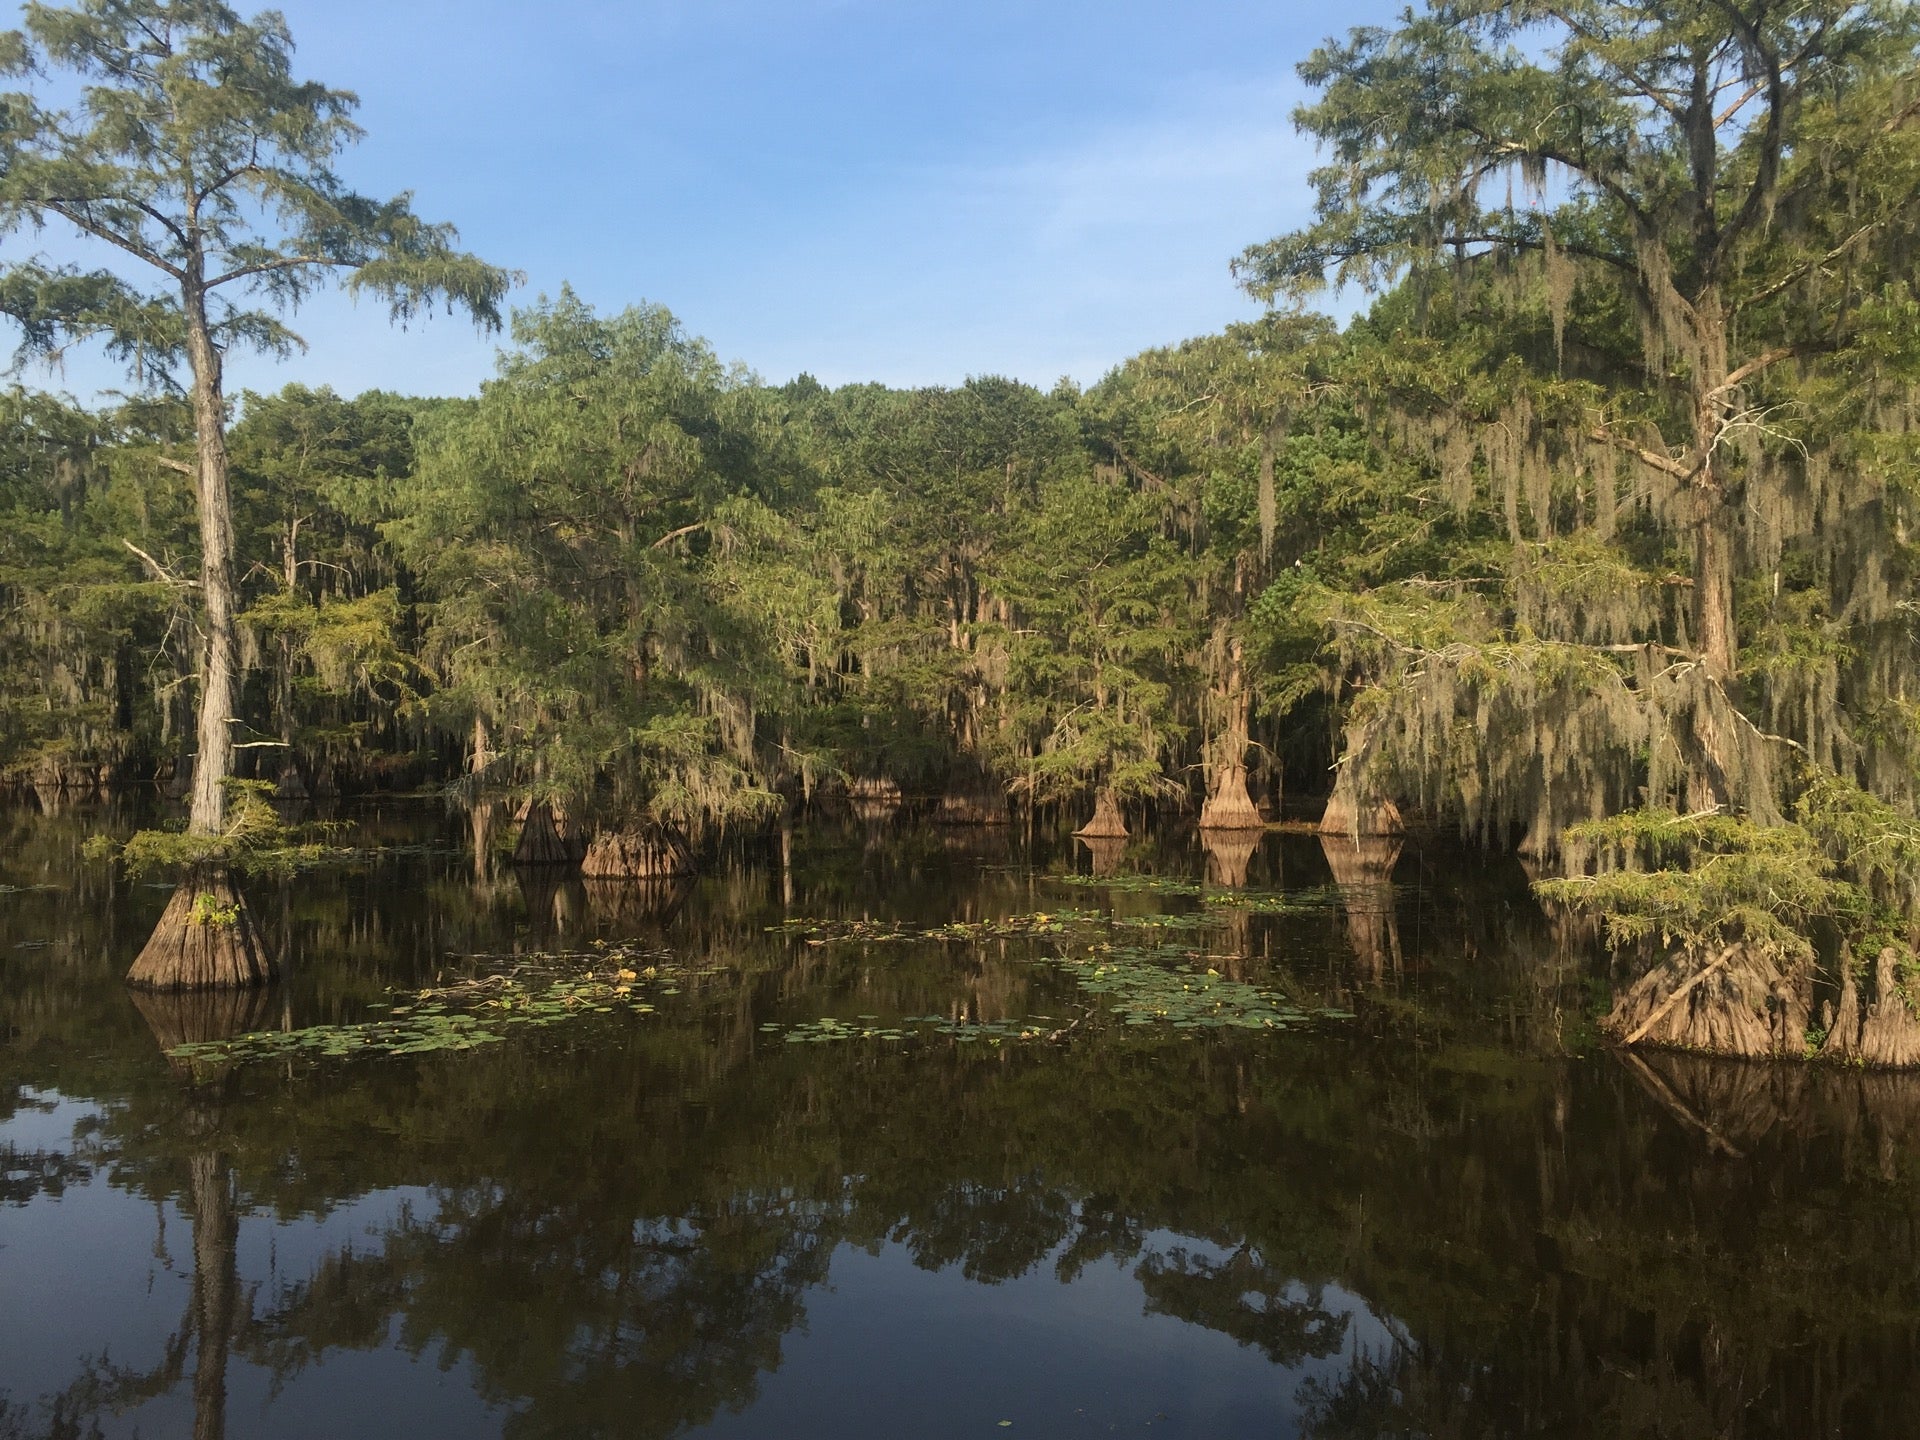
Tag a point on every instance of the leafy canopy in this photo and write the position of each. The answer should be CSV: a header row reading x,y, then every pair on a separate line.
x,y
190,147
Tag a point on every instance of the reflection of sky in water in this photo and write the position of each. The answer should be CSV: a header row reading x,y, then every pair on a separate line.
x,y
891,1349
101,1275
886,1347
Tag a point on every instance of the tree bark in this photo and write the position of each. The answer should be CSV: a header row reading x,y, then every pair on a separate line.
x,y
220,670
1107,822
1228,805
646,852
1712,521
205,939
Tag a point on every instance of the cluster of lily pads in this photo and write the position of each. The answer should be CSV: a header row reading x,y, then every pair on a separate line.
x,y
1259,902
827,1030
1006,927
1169,984
530,992
1166,983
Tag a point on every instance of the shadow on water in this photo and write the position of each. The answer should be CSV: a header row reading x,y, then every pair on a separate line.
x,y
1439,1218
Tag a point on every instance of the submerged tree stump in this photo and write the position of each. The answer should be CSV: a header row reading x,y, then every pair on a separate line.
x,y
1229,806
648,853
205,940
1107,822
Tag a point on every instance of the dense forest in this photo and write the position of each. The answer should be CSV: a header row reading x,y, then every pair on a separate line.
x,y
1590,535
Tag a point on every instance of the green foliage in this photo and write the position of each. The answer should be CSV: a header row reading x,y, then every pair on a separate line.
x,y
1842,871
256,841
184,89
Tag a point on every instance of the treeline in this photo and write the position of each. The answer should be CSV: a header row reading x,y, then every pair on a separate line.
x,y
639,583
634,581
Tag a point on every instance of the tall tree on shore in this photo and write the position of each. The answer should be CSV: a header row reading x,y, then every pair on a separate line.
x,y
1684,156
194,154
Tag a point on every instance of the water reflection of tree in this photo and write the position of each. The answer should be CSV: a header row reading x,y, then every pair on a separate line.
x,y
585,1320
1363,871
1246,1296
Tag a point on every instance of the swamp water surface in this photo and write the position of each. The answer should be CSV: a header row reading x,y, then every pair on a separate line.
x,y
938,1135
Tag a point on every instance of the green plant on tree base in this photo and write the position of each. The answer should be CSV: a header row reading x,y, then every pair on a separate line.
x,y
207,910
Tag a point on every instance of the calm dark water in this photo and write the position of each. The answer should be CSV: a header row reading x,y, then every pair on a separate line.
x,y
1450,1215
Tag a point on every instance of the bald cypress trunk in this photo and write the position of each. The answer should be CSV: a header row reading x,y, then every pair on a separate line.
x,y
205,938
220,665
1228,805
1712,516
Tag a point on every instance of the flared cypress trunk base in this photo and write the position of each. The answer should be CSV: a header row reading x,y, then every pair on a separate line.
x,y
1107,822
1355,816
205,940
546,837
1881,1032
1229,806
651,853
1738,1001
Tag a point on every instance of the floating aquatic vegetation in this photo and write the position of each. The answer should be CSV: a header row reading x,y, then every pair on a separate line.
x,y
1006,927
1183,920
463,1014
1134,884
1168,985
1261,902
828,1030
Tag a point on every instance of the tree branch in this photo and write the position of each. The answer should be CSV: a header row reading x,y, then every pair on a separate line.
x,y
64,208
288,262
1664,463
1753,367
672,535
160,572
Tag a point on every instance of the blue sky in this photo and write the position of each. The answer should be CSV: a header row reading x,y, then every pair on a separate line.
x,y
910,193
